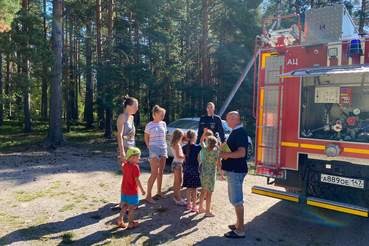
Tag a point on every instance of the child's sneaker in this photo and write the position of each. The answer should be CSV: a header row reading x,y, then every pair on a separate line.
x,y
179,203
183,202
189,207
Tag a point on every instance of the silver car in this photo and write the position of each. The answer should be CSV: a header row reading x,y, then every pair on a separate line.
x,y
186,124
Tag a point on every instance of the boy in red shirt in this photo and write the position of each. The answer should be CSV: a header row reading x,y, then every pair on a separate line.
x,y
130,184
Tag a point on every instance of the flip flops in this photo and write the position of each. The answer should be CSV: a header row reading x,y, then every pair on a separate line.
x,y
232,234
189,207
195,208
152,201
232,227
120,224
135,224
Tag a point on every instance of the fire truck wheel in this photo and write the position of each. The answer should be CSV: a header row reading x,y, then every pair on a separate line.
x,y
337,193
249,152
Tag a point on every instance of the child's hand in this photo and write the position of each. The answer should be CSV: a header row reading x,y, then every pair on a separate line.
x,y
221,177
143,192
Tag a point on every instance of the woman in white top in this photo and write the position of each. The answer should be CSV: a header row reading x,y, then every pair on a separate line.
x,y
177,166
155,139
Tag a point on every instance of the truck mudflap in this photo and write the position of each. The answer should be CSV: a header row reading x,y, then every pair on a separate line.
x,y
312,201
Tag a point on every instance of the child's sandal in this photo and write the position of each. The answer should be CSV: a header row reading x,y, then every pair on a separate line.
x,y
120,224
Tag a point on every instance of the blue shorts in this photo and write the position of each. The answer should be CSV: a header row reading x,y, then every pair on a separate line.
x,y
235,182
131,200
156,152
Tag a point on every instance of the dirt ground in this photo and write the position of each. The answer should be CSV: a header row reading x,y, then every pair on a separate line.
x,y
71,194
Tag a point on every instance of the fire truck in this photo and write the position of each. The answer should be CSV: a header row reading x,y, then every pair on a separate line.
x,y
312,112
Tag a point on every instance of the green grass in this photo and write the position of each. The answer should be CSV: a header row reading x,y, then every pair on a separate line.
x,y
12,133
67,207
67,237
23,196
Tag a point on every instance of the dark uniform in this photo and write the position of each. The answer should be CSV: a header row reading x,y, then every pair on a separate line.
x,y
213,123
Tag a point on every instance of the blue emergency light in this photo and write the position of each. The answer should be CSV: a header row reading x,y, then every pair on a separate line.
x,y
355,47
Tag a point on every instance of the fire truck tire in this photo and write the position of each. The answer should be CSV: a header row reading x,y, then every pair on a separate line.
x,y
249,152
337,193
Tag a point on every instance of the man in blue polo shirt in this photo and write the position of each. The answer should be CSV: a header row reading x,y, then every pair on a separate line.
x,y
236,167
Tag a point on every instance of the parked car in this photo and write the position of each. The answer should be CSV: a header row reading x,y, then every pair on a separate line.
x,y
186,124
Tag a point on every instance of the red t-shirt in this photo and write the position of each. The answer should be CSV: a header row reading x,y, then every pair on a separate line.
x,y
130,172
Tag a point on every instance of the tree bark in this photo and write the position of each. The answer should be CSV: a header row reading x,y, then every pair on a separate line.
x,y
204,50
100,112
67,108
108,111
362,16
76,73
44,80
55,121
25,71
89,84
1,90
110,21
8,85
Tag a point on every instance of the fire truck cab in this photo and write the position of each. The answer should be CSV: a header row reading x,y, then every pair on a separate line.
x,y
312,112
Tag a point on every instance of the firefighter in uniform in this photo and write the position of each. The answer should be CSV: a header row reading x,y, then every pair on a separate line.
x,y
211,121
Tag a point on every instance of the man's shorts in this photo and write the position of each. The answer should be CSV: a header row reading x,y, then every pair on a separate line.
x,y
131,200
156,152
235,182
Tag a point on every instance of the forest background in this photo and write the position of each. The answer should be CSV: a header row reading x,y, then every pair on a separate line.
x,y
68,63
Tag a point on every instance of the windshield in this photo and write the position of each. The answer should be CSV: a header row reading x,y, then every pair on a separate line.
x,y
185,124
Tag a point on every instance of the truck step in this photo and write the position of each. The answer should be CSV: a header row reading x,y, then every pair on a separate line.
x,y
312,201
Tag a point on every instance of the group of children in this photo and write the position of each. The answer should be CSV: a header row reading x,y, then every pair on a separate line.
x,y
197,163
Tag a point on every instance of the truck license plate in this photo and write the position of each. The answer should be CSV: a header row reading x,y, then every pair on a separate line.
x,y
331,179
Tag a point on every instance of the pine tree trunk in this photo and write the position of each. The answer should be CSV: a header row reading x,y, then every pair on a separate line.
x,y
362,16
56,94
1,90
100,112
44,80
71,85
137,92
130,83
204,51
89,84
8,85
25,71
110,21
67,108
108,111
76,76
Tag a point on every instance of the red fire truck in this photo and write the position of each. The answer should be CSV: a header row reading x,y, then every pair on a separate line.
x,y
312,112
